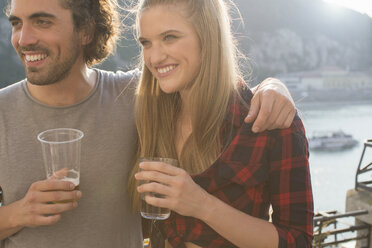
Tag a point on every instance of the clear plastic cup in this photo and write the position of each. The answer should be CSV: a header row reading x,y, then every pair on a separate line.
x,y
148,211
61,150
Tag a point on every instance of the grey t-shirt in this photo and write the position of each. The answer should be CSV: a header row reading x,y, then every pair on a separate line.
x,y
103,217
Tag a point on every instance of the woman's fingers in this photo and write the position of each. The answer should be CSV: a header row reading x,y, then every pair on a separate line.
x,y
160,167
156,188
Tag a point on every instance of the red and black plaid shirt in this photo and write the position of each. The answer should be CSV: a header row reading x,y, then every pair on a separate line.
x,y
254,171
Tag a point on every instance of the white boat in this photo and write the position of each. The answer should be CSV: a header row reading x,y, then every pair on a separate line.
x,y
335,140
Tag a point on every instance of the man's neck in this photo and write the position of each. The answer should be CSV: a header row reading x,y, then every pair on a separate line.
x,y
73,89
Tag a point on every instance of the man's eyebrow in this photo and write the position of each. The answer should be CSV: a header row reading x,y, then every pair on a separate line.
x,y
13,18
41,14
33,16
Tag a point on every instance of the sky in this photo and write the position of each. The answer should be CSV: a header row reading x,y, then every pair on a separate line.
x,y
363,6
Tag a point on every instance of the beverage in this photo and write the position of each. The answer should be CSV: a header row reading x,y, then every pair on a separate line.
x,y
75,181
148,211
61,149
151,212
70,176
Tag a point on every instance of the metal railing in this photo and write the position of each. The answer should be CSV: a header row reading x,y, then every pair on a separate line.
x,y
329,230
363,168
1,196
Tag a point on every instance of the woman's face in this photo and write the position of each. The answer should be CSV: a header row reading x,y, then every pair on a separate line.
x,y
171,47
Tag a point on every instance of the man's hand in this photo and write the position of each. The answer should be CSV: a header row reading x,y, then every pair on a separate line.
x,y
37,208
273,106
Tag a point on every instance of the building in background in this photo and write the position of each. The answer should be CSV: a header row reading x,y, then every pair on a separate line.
x,y
329,84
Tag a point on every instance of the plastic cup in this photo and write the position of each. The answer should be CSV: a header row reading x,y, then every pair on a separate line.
x,y
61,149
148,211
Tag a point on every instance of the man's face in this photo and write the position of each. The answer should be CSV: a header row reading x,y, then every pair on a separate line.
x,y
44,37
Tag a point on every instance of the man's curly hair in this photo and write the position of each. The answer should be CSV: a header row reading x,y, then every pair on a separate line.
x,y
101,19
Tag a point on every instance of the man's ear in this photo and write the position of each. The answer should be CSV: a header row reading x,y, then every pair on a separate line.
x,y
87,33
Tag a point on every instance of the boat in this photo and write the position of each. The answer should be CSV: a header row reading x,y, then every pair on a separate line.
x,y
331,140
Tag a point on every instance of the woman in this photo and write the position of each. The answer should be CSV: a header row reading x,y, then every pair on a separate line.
x,y
192,90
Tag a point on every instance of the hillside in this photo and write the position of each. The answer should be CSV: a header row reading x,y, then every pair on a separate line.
x,y
297,35
278,36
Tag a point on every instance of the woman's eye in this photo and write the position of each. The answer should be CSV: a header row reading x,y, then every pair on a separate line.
x,y
144,43
169,37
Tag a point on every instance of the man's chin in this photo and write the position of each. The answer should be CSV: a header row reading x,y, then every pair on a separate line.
x,y
38,81
33,77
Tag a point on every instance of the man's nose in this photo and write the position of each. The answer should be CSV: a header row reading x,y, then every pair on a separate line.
x,y
27,36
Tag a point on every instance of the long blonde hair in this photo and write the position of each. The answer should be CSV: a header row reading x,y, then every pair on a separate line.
x,y
210,93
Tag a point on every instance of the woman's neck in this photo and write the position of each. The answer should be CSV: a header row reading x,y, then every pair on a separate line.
x,y
183,129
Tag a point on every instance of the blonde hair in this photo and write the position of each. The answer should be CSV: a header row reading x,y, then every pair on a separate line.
x,y
210,93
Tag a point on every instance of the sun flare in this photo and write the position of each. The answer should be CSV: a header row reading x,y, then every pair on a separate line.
x,y
362,6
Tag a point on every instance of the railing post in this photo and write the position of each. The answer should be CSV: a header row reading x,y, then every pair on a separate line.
x,y
363,168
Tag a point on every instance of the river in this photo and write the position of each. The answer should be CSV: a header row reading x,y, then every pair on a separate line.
x,y
333,172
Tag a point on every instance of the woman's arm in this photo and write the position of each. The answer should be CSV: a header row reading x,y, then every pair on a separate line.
x,y
290,187
187,198
239,228
290,195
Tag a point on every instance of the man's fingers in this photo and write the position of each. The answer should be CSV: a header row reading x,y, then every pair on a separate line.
x,y
278,117
276,122
58,196
263,115
290,118
52,185
286,114
253,109
57,208
43,220
47,209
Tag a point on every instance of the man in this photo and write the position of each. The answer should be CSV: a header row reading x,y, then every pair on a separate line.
x,y
58,41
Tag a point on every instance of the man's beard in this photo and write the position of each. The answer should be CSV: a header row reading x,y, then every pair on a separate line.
x,y
55,70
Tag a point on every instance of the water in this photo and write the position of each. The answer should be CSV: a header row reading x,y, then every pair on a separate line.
x,y
333,172
151,212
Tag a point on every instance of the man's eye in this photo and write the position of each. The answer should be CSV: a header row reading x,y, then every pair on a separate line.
x,y
15,23
43,22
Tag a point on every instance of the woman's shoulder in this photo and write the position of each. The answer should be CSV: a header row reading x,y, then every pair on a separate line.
x,y
239,108
239,105
245,93
296,128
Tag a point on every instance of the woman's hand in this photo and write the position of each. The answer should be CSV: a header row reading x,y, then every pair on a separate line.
x,y
185,197
182,194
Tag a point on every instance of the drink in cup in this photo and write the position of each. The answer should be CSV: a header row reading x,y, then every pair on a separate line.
x,y
148,211
61,150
